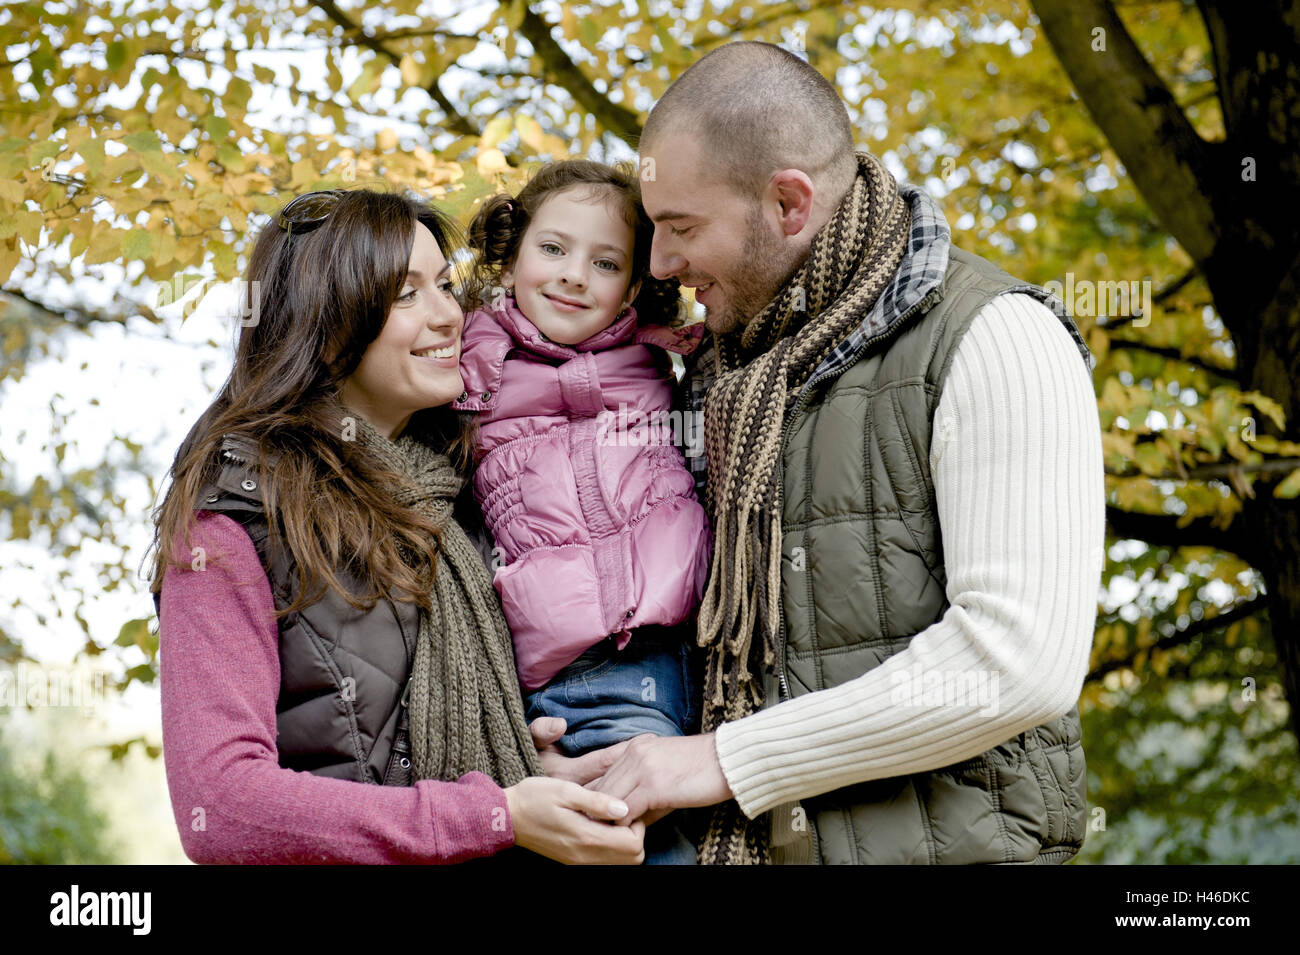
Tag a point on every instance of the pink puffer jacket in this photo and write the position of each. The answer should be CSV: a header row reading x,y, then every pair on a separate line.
x,y
591,505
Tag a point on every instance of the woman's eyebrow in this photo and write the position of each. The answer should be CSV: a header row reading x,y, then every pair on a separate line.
x,y
416,273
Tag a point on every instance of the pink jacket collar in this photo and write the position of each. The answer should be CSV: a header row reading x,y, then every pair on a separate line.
x,y
495,330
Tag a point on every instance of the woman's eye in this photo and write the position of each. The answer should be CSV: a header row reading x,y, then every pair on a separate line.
x,y
448,287
407,296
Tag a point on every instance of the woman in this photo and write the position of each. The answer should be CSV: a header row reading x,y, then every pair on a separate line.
x,y
326,622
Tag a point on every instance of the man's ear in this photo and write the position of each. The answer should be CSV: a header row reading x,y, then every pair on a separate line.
x,y
793,191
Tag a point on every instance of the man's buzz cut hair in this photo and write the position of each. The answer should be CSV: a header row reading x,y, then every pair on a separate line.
x,y
755,108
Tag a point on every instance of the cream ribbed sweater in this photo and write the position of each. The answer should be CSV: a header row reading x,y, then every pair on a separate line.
x,y
1017,467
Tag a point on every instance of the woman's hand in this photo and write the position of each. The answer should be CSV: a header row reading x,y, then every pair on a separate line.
x,y
583,769
562,821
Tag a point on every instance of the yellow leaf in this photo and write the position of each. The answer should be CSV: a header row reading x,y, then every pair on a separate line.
x,y
1267,405
1290,487
11,190
105,246
29,226
491,162
495,131
410,70
530,131
8,260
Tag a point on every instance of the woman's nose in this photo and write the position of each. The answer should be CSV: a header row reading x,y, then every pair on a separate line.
x,y
446,312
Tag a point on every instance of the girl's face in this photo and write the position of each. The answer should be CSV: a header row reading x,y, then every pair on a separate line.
x,y
571,274
415,361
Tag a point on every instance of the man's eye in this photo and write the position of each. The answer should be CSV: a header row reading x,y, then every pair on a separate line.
x,y
677,231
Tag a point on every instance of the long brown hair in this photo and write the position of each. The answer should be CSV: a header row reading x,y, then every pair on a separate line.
x,y
497,231
319,299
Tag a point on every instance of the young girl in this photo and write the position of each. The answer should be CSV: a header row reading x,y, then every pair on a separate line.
x,y
603,544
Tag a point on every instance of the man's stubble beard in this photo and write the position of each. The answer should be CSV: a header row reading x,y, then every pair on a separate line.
x,y
765,269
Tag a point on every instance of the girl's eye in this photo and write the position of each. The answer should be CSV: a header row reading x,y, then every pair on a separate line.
x,y
547,246
612,265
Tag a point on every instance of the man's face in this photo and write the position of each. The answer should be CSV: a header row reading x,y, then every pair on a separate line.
x,y
710,237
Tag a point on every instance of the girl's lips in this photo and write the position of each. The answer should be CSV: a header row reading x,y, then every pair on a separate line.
x,y
561,304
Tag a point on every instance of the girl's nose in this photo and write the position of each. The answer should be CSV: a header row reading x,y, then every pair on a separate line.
x,y
574,274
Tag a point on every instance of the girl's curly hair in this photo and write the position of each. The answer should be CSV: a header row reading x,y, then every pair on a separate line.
x,y
498,229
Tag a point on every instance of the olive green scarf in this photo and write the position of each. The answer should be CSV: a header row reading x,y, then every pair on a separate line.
x,y
466,713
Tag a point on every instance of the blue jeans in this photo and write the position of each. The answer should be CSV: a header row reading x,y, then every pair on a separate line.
x,y
607,695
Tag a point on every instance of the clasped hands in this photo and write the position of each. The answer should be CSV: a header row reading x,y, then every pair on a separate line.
x,y
652,775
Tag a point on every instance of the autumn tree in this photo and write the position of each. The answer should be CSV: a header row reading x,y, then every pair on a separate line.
x,y
1143,156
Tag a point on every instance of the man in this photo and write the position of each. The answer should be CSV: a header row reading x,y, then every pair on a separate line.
x,y
904,475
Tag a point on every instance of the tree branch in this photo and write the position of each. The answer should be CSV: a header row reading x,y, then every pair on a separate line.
x,y
618,119
75,315
1163,529
1162,152
455,121
1183,636
1124,344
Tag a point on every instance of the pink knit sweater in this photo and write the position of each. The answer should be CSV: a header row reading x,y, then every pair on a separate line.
x,y
220,669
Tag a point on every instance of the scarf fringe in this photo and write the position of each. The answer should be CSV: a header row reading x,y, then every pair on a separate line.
x,y
760,367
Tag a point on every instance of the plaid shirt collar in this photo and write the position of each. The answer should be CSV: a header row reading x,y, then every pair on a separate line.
x,y
919,277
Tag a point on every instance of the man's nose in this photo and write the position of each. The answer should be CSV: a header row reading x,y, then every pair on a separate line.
x,y
664,263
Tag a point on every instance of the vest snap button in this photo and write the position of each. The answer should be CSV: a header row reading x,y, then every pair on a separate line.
x,y
487,395
404,763
214,498
630,612
248,484
463,396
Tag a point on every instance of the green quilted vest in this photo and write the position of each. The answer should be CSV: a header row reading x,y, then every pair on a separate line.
x,y
862,572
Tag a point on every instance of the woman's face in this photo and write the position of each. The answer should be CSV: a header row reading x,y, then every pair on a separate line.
x,y
415,361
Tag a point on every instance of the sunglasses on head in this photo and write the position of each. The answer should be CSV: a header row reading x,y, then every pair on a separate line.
x,y
308,211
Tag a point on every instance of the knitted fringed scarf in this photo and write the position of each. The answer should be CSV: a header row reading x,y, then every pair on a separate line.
x,y
760,369
465,710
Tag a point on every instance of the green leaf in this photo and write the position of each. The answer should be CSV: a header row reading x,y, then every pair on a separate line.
x,y
218,127
133,634
115,55
137,244
145,141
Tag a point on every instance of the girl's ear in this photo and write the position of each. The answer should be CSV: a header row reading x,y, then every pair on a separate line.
x,y
633,291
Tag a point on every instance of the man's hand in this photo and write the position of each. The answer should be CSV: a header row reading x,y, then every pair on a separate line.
x,y
656,773
583,769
